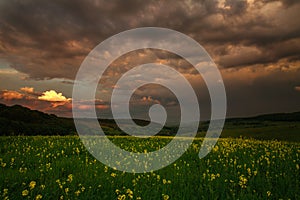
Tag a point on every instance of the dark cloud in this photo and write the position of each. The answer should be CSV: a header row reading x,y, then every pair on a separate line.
x,y
289,2
257,39
59,34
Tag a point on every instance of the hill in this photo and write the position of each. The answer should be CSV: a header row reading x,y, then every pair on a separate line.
x,y
280,126
18,120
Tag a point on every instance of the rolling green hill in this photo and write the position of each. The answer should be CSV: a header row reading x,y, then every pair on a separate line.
x,y
18,120
280,126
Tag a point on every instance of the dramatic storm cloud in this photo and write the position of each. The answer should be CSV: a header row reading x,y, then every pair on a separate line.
x,y
255,43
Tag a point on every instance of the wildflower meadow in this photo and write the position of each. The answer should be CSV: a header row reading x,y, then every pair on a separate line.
x,y
40,167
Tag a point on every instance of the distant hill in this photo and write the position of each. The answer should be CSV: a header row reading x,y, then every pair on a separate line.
x,y
18,120
287,117
280,126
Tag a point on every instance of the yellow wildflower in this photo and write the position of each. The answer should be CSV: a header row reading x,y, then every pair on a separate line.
x,y
165,197
243,181
129,193
25,192
70,178
122,197
77,192
5,191
32,184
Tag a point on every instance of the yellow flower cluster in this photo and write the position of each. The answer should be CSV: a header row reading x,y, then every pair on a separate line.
x,y
243,181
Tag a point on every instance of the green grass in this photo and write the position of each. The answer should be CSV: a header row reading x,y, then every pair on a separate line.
x,y
261,130
63,169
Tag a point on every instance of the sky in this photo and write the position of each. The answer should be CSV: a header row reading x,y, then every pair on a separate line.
x,y
254,43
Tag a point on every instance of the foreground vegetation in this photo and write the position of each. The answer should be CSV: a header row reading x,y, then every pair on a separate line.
x,y
42,167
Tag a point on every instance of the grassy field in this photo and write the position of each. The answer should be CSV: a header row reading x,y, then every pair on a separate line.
x,y
60,168
261,130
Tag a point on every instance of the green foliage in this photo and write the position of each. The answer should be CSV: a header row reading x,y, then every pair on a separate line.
x,y
61,168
